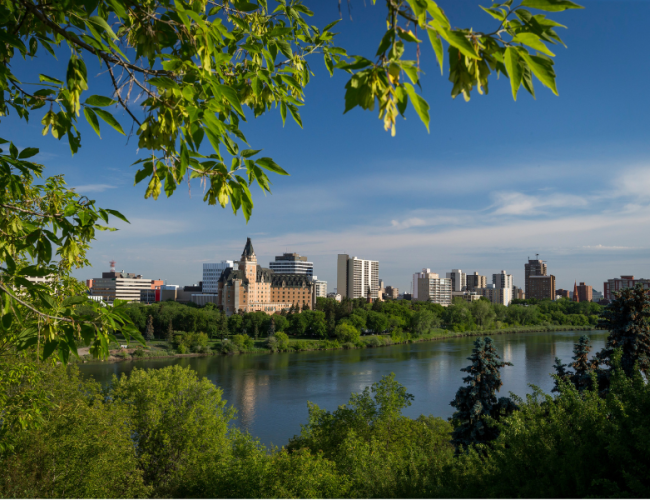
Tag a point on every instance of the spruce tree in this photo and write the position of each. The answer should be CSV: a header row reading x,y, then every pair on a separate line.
x,y
271,330
256,331
627,318
583,367
148,333
478,400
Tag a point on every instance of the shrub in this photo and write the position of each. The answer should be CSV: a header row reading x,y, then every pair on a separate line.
x,y
345,332
182,349
374,342
228,347
349,345
139,353
283,340
243,342
272,343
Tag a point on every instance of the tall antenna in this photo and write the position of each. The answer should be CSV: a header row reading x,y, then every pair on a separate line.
x,y
537,256
112,266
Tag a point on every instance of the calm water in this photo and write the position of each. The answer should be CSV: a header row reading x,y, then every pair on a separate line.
x,y
271,392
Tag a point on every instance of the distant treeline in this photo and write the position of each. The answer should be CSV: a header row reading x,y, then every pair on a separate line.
x,y
398,317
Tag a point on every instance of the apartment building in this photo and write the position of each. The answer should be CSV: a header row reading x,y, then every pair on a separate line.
x,y
458,280
124,286
354,277
432,288
618,284
320,287
539,285
212,273
504,280
292,263
475,280
495,294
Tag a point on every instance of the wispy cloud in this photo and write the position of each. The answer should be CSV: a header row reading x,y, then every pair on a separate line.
x,y
92,188
514,203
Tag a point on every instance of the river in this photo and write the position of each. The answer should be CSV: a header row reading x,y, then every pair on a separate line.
x,y
270,391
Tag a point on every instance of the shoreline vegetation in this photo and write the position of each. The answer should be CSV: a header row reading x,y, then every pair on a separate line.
x,y
161,349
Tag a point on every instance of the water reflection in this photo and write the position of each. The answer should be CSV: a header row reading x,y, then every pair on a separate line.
x,y
271,392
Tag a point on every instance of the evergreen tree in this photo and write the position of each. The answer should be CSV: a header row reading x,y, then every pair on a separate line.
x,y
477,400
583,367
377,305
170,332
331,323
256,331
627,318
148,333
271,330
305,306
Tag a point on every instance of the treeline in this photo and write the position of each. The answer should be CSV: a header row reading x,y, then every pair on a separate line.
x,y
350,318
590,439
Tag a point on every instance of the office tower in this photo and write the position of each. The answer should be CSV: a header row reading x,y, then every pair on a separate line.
x,y
503,280
475,280
538,284
458,280
292,263
355,276
212,273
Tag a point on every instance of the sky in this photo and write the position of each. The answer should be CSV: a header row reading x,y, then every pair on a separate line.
x,y
494,183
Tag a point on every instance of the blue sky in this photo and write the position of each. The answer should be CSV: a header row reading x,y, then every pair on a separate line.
x,y
494,182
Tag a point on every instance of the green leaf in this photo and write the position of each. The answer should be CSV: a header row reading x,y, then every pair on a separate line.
x,y
99,100
283,112
91,117
103,24
163,82
421,106
49,79
231,96
551,5
269,164
284,48
460,41
407,36
512,62
542,68
436,43
27,153
437,14
386,42
294,112
108,118
533,42
247,153
117,214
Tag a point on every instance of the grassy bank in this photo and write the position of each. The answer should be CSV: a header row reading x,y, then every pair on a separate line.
x,y
164,349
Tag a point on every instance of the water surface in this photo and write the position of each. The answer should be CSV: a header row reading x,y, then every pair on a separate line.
x,y
270,391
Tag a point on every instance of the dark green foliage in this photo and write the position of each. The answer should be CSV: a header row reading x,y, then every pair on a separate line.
x,y
271,330
477,402
149,329
583,367
170,332
627,318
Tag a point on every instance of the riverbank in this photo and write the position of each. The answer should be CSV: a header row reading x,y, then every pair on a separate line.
x,y
161,349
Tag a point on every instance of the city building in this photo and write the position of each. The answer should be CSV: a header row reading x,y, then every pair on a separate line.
x,y
432,288
120,285
475,280
320,287
416,277
538,284
468,296
251,287
354,276
617,284
518,293
503,280
495,294
562,293
391,292
292,263
212,273
458,280
596,296
540,287
336,296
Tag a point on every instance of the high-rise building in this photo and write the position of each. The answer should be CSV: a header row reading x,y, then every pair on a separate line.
x,y
458,280
292,263
432,288
538,284
392,292
495,294
585,293
540,287
212,273
475,280
416,277
355,276
503,280
518,293
320,287
252,288
561,292
617,284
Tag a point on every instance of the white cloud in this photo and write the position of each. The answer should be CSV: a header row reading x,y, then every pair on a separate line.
x,y
604,247
634,182
514,203
92,188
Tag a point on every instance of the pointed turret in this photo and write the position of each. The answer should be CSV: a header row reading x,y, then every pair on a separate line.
x,y
248,253
576,297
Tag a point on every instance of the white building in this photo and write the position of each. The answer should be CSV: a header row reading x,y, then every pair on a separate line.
x,y
212,273
503,280
354,276
292,263
123,286
416,277
458,280
496,295
432,288
320,287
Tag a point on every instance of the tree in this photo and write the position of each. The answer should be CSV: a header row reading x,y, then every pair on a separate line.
x,y
627,318
377,322
149,329
271,331
170,332
345,332
583,367
483,312
477,400
223,325
423,321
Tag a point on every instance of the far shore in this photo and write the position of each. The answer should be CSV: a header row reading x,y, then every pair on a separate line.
x,y
308,344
